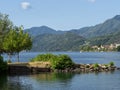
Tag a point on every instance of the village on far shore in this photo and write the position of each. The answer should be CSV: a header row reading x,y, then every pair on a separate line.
x,y
101,48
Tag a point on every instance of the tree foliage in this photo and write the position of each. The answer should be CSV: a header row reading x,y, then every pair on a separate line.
x,y
5,25
16,40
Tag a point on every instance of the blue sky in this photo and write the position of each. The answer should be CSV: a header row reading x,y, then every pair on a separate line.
x,y
59,14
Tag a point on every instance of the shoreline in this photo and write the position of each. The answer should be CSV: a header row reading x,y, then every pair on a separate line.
x,y
38,67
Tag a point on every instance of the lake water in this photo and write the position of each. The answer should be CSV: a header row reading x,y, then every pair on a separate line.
x,y
67,81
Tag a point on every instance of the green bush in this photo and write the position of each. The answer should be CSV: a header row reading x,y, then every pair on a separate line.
x,y
3,65
62,62
96,66
57,61
44,57
111,64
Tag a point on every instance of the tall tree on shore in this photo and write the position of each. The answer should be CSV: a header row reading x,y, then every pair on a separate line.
x,y
9,42
5,25
24,41
16,40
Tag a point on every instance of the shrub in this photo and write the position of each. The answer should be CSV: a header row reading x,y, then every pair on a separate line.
x,y
95,65
44,57
3,65
57,61
62,62
111,64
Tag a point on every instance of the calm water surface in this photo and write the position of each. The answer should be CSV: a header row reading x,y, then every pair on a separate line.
x,y
67,81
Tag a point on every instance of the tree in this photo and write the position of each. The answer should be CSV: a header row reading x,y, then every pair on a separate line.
x,y
16,40
9,42
24,41
5,25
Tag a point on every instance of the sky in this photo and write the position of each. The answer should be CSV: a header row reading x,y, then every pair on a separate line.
x,y
59,14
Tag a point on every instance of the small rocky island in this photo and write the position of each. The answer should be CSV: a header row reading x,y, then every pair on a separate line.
x,y
57,63
37,67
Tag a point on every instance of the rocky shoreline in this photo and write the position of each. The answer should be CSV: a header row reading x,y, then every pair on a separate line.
x,y
36,68
90,68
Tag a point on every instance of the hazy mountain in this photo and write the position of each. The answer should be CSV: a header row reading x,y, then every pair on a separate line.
x,y
108,27
35,31
53,42
106,39
48,39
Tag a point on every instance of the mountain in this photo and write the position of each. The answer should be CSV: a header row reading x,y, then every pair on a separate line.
x,y
108,27
48,39
35,31
106,39
62,42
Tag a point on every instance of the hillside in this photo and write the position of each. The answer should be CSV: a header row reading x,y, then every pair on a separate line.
x,y
106,39
108,27
48,39
62,42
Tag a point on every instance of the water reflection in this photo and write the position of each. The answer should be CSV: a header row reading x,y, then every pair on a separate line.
x,y
62,81
3,82
18,83
14,83
53,76
52,81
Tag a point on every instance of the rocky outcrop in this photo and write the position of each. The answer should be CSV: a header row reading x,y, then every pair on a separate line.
x,y
90,68
37,67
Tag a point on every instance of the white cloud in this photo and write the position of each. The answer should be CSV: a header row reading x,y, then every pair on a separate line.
x,y
92,1
25,5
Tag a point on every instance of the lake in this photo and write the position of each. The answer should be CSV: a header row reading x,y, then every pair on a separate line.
x,y
67,81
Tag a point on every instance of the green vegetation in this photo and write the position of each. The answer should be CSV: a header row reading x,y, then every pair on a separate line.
x,y
96,66
5,25
12,38
56,61
111,64
16,40
57,42
3,65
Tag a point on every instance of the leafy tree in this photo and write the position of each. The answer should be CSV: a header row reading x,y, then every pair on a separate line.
x,y
5,25
24,41
9,42
16,40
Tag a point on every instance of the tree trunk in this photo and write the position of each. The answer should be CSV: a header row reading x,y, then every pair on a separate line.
x,y
9,57
18,56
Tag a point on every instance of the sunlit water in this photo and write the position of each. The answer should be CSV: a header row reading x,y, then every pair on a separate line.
x,y
67,81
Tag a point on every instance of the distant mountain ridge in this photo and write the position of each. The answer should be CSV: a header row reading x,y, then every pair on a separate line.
x,y
35,31
109,26
48,39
